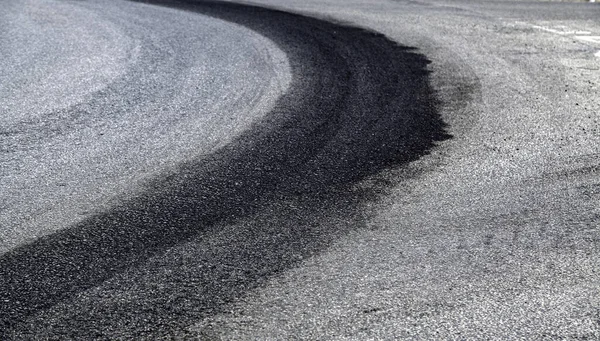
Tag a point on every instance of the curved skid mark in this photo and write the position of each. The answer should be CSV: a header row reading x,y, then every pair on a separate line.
x,y
358,104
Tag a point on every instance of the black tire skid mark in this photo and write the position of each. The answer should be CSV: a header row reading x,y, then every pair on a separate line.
x,y
359,103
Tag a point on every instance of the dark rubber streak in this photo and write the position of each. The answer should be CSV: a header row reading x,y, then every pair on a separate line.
x,y
359,103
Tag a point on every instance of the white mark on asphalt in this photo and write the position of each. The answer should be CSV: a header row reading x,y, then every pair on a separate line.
x,y
583,36
552,30
589,39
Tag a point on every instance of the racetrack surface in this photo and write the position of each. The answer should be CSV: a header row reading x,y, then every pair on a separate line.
x,y
303,183
347,115
96,99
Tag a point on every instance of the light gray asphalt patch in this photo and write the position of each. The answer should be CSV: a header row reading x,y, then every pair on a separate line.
x,y
98,97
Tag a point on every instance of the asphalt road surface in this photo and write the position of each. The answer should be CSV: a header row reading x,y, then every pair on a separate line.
x,y
327,170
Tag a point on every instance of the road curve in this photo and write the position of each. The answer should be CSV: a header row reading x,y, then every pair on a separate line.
x,y
97,98
222,223
496,235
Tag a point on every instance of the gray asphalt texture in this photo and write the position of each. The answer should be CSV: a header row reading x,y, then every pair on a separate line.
x,y
439,181
100,96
